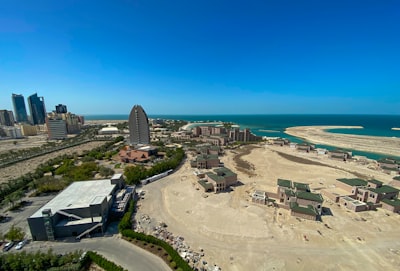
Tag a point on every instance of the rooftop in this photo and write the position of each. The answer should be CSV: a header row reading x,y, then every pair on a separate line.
x,y
392,202
309,210
223,171
375,182
215,177
301,186
78,195
309,196
397,178
353,182
384,189
206,185
285,183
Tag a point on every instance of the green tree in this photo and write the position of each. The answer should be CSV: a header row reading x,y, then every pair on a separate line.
x,y
15,233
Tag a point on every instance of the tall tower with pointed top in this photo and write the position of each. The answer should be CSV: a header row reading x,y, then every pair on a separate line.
x,y
138,127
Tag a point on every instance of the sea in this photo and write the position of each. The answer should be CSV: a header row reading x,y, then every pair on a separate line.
x,y
275,125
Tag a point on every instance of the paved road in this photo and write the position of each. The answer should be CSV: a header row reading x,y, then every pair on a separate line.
x,y
113,248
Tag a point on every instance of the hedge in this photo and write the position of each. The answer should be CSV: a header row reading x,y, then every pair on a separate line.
x,y
180,263
100,261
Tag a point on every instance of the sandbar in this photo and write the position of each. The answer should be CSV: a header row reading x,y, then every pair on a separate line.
x,y
319,135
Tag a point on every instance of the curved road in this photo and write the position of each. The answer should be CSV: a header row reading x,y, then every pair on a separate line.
x,y
113,248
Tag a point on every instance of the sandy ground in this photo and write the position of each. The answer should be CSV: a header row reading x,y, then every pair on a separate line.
x,y
23,143
237,234
21,168
318,135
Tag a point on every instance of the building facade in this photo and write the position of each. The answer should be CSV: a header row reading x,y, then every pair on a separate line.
x,y
56,128
6,118
37,109
80,209
138,127
19,108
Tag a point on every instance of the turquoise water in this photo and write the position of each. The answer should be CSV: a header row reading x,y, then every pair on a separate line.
x,y
275,125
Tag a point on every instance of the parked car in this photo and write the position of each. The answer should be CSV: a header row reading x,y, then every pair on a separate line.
x,y
20,244
8,246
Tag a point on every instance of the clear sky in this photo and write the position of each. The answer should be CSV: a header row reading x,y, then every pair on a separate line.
x,y
203,57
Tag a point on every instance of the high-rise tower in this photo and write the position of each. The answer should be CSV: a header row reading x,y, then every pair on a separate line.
x,y
61,108
37,109
19,108
138,126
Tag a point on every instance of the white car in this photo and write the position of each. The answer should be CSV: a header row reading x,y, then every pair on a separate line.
x,y
20,245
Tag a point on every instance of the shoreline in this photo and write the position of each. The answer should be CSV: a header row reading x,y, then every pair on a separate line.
x,y
321,135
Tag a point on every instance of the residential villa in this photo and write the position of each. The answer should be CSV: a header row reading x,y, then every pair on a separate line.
x,y
305,147
362,195
217,181
340,155
296,197
396,181
389,165
205,161
280,141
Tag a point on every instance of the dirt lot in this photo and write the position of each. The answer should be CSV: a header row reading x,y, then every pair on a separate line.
x,y
237,234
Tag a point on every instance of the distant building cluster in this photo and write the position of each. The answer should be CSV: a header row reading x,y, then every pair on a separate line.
x,y
294,196
362,195
217,135
57,124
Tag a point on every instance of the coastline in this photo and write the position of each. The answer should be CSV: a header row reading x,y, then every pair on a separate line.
x,y
320,135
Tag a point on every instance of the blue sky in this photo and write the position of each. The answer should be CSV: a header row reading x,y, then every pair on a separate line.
x,y
203,57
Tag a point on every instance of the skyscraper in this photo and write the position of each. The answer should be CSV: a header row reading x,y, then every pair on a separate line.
x,y
6,118
61,109
37,109
19,108
138,126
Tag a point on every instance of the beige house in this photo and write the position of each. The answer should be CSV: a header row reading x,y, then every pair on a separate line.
x,y
389,165
298,198
219,180
340,155
205,161
392,205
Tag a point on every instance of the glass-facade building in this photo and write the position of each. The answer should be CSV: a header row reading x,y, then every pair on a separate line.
x,y
19,108
37,109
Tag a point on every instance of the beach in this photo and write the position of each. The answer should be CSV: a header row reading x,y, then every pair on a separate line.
x,y
318,135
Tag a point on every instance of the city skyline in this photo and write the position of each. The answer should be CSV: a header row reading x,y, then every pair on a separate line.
x,y
257,57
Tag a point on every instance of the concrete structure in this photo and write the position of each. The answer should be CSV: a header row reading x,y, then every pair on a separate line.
x,y
353,204
19,108
37,109
280,141
305,147
219,180
205,161
138,127
82,208
12,131
392,205
371,192
389,165
56,128
396,181
6,118
28,130
340,155
298,198
259,197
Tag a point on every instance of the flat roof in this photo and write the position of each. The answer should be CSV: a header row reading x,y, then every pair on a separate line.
x,y
285,183
392,202
384,189
375,182
309,196
353,182
78,195
301,186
